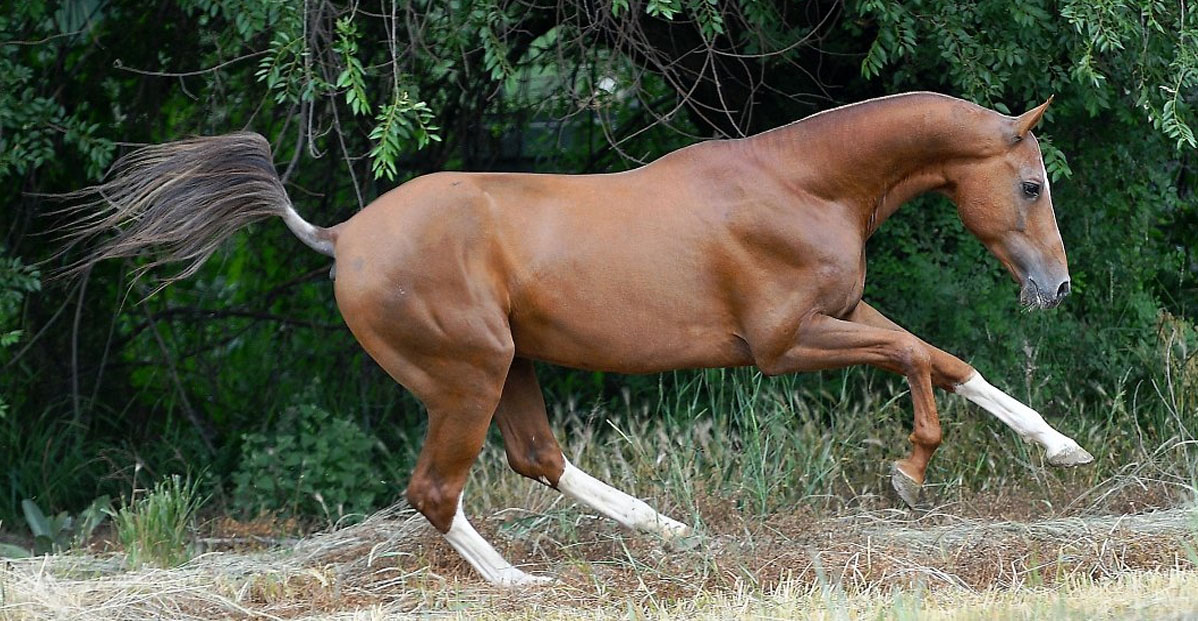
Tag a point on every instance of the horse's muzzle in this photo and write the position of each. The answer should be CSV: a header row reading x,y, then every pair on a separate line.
x,y
1035,295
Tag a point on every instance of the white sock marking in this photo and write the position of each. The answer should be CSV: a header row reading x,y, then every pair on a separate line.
x,y
482,557
1024,420
611,502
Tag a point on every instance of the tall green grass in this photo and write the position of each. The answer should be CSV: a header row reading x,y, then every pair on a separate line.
x,y
51,462
157,528
764,444
768,444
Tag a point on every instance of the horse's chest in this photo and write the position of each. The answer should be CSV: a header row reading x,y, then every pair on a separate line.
x,y
838,288
854,292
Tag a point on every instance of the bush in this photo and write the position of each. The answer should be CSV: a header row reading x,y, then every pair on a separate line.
x,y
16,280
312,464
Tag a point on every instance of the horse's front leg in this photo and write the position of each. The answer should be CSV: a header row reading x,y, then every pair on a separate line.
x,y
824,342
953,375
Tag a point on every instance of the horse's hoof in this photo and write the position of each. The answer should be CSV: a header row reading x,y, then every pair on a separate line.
x,y
511,577
1070,456
908,489
532,580
684,542
676,535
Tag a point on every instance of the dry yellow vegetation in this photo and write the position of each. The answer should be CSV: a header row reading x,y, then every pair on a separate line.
x,y
863,564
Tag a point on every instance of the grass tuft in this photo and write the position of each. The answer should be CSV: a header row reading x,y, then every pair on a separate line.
x,y
157,529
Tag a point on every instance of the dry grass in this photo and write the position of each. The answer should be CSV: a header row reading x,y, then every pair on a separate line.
x,y
858,564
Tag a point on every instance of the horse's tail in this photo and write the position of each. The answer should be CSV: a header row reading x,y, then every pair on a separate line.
x,y
178,201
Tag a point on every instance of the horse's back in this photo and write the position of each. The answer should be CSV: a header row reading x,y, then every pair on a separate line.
x,y
588,270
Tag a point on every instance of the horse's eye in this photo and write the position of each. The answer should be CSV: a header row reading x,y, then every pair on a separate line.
x,y
1031,189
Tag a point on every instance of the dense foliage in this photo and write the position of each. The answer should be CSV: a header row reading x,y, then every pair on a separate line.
x,y
103,385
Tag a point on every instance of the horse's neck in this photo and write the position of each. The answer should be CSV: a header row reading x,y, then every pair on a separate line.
x,y
878,155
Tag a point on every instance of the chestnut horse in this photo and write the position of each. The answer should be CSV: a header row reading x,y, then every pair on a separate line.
x,y
725,253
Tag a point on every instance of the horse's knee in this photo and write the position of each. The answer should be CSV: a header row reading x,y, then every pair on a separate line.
x,y
913,356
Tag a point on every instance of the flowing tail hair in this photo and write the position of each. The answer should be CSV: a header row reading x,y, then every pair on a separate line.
x,y
179,201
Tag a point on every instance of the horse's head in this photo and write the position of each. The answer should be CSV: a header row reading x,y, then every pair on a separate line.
x,y
1004,199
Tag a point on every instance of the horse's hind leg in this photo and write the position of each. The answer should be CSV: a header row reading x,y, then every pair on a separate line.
x,y
459,413
531,448
461,389
533,452
456,433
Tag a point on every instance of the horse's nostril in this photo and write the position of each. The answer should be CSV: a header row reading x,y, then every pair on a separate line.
x,y
1063,290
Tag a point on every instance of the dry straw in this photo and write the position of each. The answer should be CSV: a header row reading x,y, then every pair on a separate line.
x,y
868,564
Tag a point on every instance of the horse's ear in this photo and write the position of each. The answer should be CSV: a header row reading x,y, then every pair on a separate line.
x,y
1024,123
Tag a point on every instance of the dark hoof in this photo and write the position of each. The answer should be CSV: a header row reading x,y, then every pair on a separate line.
x,y
1070,456
906,487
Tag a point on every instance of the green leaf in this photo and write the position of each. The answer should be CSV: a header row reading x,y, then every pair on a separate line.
x,y
8,550
91,518
400,122
43,544
353,76
663,8
37,521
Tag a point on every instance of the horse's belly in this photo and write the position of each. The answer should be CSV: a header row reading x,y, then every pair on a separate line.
x,y
628,354
602,337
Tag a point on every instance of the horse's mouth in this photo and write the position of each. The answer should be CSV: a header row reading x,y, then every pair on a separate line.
x,y
1032,296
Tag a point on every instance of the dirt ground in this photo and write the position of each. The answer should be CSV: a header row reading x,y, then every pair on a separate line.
x,y
394,564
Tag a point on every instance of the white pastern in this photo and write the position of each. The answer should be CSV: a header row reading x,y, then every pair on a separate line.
x,y
617,505
1060,449
493,567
